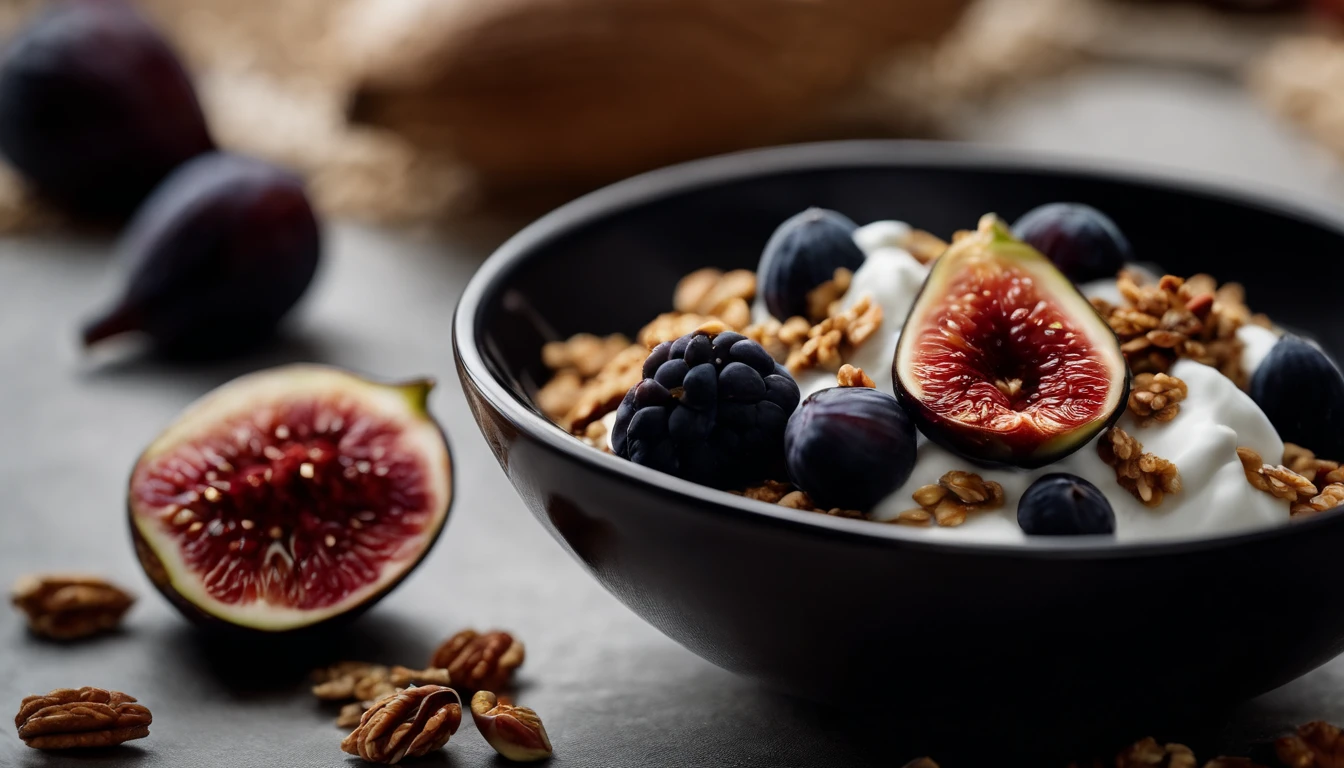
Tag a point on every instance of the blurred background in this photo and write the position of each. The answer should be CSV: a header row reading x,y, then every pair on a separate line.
x,y
422,111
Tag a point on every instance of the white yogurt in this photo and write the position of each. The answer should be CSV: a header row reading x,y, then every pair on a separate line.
x,y
1215,419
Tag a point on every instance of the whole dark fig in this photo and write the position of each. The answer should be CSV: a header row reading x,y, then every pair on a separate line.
x,y
850,447
95,108
1301,390
1081,241
1061,504
215,258
803,253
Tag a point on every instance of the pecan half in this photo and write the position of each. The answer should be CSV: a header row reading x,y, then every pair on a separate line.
x,y
407,723
515,732
347,680
69,718
1315,745
68,607
479,661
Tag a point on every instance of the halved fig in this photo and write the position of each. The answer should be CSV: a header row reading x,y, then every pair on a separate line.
x,y
1002,360
291,497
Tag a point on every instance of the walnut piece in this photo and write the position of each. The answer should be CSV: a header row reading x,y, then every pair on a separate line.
x,y
821,298
361,680
852,326
708,291
1149,754
1150,478
407,723
1282,483
480,661
68,607
584,353
1304,462
948,503
1315,745
516,733
849,376
1156,398
69,718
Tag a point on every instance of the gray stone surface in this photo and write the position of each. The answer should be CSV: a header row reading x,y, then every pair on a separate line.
x,y
613,691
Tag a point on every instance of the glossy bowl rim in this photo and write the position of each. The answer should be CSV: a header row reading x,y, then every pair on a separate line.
x,y
491,278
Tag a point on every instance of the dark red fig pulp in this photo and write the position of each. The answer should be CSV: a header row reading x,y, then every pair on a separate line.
x,y
1002,360
290,497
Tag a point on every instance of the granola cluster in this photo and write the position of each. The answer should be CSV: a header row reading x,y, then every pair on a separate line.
x,y
1150,478
1178,317
785,495
801,347
1156,398
956,495
591,374
1300,491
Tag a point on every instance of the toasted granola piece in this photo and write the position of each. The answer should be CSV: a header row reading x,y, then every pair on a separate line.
x,y
1148,477
1156,397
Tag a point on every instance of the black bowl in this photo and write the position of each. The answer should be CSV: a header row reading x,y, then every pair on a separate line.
x,y
1047,640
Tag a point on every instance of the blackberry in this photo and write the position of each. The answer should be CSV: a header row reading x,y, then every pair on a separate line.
x,y
711,409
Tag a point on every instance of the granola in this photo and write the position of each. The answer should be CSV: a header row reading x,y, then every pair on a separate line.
x,y
948,503
1156,398
1180,317
1150,478
1281,482
1314,745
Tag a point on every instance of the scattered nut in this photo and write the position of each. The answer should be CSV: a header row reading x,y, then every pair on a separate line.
x,y
68,607
707,291
69,718
406,723
516,733
361,680
479,661
351,713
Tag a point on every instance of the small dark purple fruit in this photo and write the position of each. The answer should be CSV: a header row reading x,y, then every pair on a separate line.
x,y
803,253
95,108
1082,241
850,447
1002,360
1061,504
1301,390
216,257
711,409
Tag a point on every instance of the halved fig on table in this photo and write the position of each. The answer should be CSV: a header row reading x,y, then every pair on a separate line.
x,y
291,497
1002,360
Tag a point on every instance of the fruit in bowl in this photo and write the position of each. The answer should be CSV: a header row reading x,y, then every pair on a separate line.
x,y
767,580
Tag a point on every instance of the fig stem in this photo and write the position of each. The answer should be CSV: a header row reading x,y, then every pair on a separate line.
x,y
121,320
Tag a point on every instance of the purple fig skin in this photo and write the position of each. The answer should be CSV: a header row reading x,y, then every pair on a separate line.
x,y
95,107
850,447
216,257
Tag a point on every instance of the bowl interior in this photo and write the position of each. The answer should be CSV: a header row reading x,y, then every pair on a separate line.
x,y
609,262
